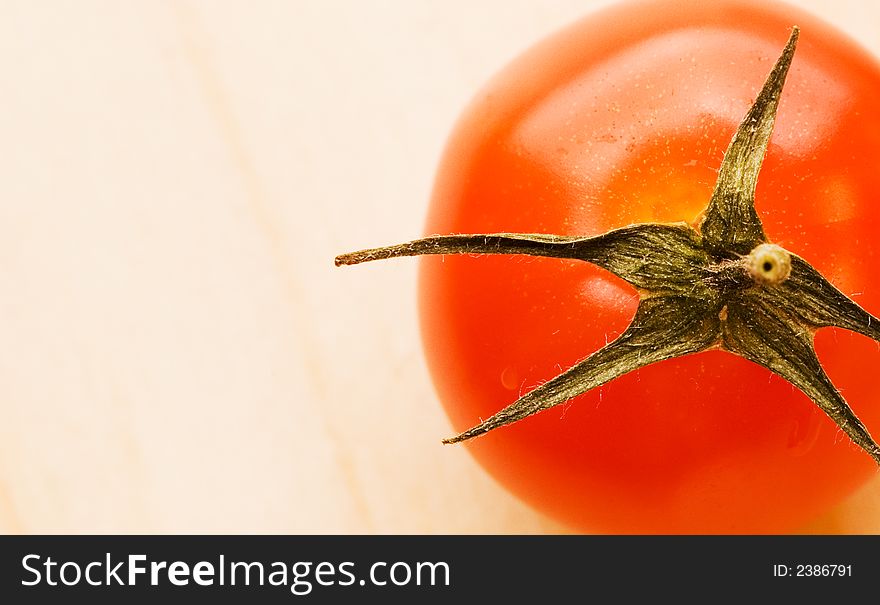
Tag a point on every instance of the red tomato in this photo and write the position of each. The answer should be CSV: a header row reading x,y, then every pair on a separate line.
x,y
623,118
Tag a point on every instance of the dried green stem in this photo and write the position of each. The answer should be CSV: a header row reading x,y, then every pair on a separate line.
x,y
722,286
731,223
659,330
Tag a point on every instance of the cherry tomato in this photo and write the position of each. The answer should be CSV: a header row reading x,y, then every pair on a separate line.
x,y
624,118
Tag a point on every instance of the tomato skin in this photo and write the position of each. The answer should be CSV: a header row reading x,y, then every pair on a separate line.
x,y
623,118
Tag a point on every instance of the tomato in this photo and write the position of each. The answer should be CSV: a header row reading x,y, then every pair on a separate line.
x,y
624,118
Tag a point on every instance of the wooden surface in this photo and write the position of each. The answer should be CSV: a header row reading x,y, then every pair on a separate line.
x,y
178,352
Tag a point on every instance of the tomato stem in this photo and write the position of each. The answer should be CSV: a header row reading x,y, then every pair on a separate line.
x,y
769,264
720,285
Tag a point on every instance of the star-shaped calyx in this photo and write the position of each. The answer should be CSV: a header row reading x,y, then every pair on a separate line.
x,y
720,285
